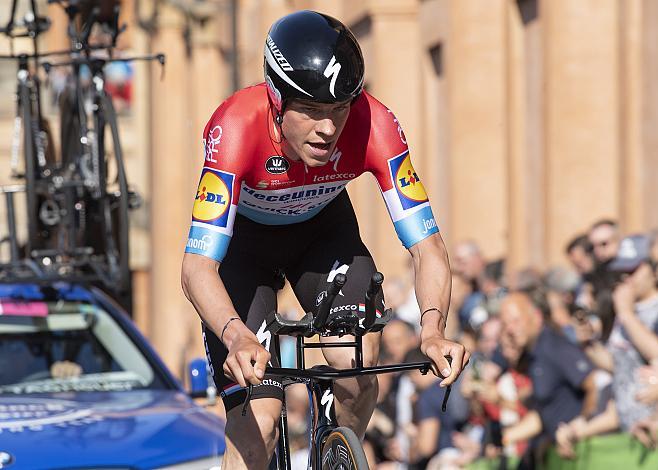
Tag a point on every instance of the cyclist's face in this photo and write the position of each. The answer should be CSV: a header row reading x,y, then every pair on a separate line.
x,y
311,130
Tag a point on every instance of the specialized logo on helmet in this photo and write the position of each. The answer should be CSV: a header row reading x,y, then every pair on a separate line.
x,y
406,182
280,64
282,61
213,197
332,70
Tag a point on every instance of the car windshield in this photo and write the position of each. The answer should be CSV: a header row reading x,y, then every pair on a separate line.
x,y
48,347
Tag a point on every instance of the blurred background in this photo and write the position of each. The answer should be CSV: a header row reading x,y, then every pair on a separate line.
x,y
530,122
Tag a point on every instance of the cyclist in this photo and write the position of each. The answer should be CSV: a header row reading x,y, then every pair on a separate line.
x,y
272,200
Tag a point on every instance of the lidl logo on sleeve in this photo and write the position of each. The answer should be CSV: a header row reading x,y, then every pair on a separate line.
x,y
213,197
406,181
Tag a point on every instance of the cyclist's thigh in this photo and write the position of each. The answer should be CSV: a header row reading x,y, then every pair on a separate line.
x,y
251,284
338,250
262,419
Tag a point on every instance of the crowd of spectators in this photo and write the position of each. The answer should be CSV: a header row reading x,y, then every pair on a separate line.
x,y
558,356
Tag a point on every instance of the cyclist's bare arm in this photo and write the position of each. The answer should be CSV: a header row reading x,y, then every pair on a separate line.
x,y
204,288
433,284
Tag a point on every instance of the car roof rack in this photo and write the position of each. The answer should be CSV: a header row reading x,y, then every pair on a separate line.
x,y
47,265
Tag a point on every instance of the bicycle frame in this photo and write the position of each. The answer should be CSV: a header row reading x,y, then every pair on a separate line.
x,y
320,383
28,110
320,379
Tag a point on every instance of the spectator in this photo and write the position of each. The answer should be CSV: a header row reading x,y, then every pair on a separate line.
x,y
488,338
398,338
634,338
561,287
561,374
400,295
633,342
653,236
579,252
469,264
526,280
468,261
491,283
298,423
604,238
432,429
379,443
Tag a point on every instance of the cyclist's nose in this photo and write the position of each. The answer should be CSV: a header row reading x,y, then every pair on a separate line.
x,y
325,127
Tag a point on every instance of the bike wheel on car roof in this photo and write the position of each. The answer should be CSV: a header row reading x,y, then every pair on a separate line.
x,y
342,450
31,165
117,200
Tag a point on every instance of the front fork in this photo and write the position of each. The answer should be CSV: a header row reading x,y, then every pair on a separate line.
x,y
323,416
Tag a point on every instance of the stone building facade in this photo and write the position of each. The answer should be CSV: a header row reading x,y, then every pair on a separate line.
x,y
527,121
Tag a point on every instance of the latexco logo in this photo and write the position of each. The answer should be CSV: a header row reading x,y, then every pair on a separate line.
x,y
347,308
277,165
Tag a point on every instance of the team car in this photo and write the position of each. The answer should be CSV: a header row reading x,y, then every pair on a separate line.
x,y
80,387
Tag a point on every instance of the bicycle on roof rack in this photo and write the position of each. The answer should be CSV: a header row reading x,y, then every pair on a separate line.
x,y
331,446
77,204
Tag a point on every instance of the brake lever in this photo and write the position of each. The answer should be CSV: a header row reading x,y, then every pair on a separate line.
x,y
446,395
250,391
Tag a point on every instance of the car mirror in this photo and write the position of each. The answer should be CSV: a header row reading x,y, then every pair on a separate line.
x,y
201,385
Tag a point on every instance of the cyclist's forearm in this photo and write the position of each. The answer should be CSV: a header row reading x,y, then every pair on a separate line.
x,y
205,290
433,283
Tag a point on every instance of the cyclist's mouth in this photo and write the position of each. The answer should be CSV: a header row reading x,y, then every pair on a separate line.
x,y
319,149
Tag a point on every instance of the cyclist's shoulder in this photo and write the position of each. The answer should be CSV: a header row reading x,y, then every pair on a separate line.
x,y
379,125
242,110
237,129
369,110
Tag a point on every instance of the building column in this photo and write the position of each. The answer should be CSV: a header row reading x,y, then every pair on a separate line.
x,y
393,76
633,186
173,317
650,111
434,25
582,144
526,198
476,68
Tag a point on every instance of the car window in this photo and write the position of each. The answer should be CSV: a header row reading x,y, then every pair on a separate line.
x,y
68,346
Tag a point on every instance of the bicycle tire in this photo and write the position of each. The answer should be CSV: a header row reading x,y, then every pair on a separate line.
x,y
121,223
31,166
342,450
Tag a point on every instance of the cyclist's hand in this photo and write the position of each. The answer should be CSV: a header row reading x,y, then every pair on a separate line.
x,y
246,360
436,348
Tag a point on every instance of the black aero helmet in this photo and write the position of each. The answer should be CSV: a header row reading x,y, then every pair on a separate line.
x,y
312,56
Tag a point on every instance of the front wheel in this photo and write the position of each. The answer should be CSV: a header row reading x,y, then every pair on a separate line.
x,y
342,450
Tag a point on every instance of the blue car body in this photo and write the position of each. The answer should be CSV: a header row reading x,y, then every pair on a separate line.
x,y
136,429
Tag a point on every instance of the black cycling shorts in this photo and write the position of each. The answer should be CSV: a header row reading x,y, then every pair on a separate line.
x,y
310,254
